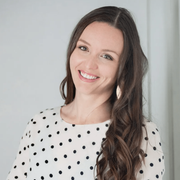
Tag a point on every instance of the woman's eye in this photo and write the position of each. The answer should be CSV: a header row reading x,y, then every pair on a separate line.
x,y
107,57
82,48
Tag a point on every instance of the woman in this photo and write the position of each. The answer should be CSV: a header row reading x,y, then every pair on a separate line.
x,y
100,133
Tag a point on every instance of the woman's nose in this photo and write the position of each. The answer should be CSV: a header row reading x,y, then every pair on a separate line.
x,y
91,62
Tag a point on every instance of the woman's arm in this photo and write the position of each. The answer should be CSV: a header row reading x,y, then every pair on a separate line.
x,y
153,165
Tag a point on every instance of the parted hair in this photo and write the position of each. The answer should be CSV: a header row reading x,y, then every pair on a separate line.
x,y
121,154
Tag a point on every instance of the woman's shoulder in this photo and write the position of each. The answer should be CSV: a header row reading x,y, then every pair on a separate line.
x,y
43,118
47,113
150,131
151,135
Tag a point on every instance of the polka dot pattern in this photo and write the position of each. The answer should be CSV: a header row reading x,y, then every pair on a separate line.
x,y
51,148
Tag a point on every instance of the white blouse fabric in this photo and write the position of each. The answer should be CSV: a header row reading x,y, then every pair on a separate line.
x,y
52,149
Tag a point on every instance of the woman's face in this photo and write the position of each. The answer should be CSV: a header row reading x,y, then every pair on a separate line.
x,y
94,61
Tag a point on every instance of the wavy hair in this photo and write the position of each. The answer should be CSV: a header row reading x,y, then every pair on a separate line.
x,y
120,155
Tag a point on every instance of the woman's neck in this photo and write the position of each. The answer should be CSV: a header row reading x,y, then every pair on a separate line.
x,y
87,110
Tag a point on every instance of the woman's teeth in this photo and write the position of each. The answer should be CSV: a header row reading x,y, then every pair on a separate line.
x,y
87,76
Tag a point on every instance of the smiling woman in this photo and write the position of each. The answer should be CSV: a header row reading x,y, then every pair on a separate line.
x,y
94,61
97,134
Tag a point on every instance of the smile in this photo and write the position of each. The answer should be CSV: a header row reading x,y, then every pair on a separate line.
x,y
83,74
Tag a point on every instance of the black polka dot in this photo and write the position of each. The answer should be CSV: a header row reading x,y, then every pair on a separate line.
x,y
41,140
93,143
44,117
88,132
55,159
16,177
41,112
32,144
157,176
79,135
69,167
151,164
56,122
146,138
58,132
141,171
30,169
37,164
43,149
46,161
60,172
97,129
91,168
50,175
60,143
70,140
97,152
25,173
87,157
73,125
39,131
52,147
74,151
78,162
84,147
19,152
145,155
47,126
34,122
106,125
66,129
49,135
72,178
160,144
42,177
15,167
153,132
81,173
23,163
65,156
54,114
154,148
159,159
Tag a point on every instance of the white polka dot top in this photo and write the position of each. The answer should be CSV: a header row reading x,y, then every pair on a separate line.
x,y
52,149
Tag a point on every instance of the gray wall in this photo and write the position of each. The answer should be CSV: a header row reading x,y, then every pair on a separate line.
x,y
33,41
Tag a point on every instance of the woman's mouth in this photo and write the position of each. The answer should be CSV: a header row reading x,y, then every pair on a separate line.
x,y
87,76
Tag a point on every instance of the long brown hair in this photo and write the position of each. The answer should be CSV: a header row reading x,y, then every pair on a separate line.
x,y
121,154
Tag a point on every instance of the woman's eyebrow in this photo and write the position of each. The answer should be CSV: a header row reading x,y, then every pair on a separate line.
x,y
108,50
84,41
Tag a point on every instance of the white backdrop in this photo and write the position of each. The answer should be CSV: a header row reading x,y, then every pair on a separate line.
x,y
33,40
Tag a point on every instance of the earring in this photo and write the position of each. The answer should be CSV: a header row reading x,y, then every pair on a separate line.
x,y
118,92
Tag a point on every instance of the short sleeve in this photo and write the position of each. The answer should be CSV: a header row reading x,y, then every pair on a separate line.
x,y
153,165
20,166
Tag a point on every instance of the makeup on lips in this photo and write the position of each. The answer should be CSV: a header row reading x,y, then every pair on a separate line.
x,y
87,77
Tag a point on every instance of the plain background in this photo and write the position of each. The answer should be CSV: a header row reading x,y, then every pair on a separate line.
x,y
34,36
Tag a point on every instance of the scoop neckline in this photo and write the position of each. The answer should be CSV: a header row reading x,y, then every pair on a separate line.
x,y
91,124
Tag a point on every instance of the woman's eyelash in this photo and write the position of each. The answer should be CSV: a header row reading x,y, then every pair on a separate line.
x,y
107,57
83,48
